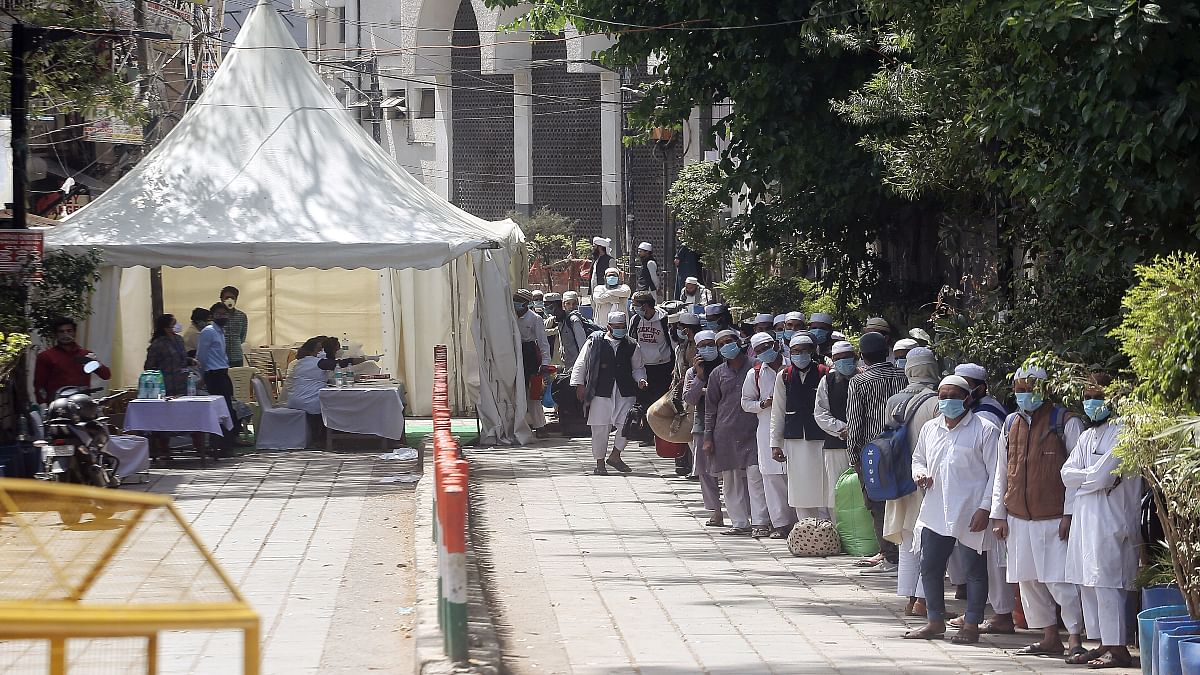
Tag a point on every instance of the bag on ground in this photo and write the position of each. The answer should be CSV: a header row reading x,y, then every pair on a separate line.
x,y
854,524
635,428
668,449
814,537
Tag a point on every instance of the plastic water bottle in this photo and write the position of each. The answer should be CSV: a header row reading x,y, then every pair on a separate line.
x,y
191,383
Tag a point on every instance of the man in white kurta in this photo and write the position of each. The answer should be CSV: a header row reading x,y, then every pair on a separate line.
x,y
609,371
1102,551
1030,513
954,462
611,296
756,398
795,437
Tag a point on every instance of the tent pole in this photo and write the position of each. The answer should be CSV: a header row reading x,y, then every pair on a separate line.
x,y
156,292
270,305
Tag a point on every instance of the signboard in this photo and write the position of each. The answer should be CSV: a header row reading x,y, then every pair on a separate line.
x,y
170,16
21,251
110,129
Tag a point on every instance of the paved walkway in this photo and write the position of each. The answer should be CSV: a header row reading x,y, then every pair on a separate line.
x,y
318,545
618,575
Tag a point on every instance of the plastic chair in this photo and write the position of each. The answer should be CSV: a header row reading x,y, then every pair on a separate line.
x,y
241,377
278,428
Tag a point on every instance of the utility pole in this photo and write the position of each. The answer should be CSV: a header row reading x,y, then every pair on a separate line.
x,y
627,174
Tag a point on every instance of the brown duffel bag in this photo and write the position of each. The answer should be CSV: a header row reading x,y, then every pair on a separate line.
x,y
669,419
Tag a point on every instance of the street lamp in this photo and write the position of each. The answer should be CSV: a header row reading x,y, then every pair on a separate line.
x,y
25,40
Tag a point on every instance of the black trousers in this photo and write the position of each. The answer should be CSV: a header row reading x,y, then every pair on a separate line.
x,y
218,384
658,381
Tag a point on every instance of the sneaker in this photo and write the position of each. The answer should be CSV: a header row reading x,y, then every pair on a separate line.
x,y
885,567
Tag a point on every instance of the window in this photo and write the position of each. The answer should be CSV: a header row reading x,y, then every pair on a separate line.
x,y
428,104
341,25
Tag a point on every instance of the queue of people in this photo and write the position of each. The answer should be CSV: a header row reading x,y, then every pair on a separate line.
x,y
1023,510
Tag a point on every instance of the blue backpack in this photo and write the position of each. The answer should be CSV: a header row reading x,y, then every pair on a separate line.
x,y
887,461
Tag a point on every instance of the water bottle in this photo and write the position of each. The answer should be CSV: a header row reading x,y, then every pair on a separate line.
x,y
161,383
191,383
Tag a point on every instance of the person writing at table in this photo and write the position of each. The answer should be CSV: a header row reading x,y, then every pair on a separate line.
x,y
214,364
315,359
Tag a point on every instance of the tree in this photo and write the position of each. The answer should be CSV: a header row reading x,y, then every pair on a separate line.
x,y
550,238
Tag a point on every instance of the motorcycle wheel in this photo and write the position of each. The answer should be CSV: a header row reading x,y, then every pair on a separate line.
x,y
70,516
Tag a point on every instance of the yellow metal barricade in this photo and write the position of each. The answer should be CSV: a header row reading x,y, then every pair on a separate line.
x,y
95,580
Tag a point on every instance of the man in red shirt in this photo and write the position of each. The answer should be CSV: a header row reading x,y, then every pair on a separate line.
x,y
62,365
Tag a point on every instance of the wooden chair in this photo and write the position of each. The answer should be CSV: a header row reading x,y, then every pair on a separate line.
x,y
263,360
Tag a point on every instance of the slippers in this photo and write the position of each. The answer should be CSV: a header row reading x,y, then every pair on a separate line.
x,y
1038,650
619,465
737,531
714,522
966,636
925,633
760,532
993,627
1109,661
1079,657
868,562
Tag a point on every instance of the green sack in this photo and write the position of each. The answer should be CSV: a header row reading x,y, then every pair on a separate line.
x,y
854,524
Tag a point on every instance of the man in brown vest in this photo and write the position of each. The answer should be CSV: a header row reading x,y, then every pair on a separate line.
x,y
1031,510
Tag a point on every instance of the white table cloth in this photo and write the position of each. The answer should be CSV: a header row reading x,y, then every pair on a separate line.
x,y
208,414
370,410
132,451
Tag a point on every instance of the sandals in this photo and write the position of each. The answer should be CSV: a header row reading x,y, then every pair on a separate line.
x,y
869,562
1079,656
759,532
1038,650
1109,661
715,522
619,465
924,633
737,531
993,627
966,636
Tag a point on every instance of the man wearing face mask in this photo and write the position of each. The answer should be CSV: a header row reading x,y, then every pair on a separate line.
x,y
695,386
900,351
717,318
954,462
601,262
820,327
980,402
538,304
552,312
535,354
213,357
796,438
757,392
652,331
610,296
729,431
763,323
236,327
686,327
62,365
609,372
1102,551
1031,510
830,408
648,273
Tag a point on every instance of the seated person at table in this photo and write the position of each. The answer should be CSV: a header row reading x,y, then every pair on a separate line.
x,y
310,373
62,365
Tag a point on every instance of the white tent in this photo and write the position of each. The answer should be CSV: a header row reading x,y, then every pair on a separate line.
x,y
268,170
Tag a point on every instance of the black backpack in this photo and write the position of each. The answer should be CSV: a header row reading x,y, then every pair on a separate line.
x,y
589,326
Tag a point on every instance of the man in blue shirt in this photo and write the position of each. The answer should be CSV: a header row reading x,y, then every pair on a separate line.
x,y
214,363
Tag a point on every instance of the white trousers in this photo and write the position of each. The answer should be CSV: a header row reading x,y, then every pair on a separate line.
x,y
737,497
1038,601
600,440
1104,615
1000,593
908,574
760,516
820,512
775,485
710,488
535,416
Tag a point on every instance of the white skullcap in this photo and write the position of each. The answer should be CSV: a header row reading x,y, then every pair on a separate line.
x,y
552,297
616,317
837,335
611,270
780,318
705,335
689,318
645,246
691,280
729,333
538,293
802,339
957,381
971,370
764,318
794,316
570,295
759,339
919,334
600,241
841,347
1035,373
921,355
821,317
906,343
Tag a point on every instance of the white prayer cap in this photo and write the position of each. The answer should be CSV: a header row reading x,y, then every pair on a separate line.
x,y
611,270
759,339
779,318
691,280
801,339
971,370
1034,373
906,343
538,293
600,241
552,297
705,335
821,317
841,347
837,336
570,295
919,334
764,318
714,309
645,246
794,316
728,333
957,381
921,355
688,318
616,317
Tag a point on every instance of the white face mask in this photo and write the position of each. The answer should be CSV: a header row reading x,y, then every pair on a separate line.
x,y
178,327
230,302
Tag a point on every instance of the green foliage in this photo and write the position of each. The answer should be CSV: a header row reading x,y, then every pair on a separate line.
x,y
771,281
549,237
13,347
583,249
698,194
66,287
75,75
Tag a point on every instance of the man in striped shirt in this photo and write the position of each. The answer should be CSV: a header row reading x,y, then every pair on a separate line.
x,y
866,412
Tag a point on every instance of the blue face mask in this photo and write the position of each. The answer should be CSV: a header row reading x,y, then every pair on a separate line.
x,y
1096,409
707,352
952,408
802,360
846,367
788,334
730,350
709,325
1029,401
619,332
539,305
768,356
900,363
819,335
519,306
612,281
